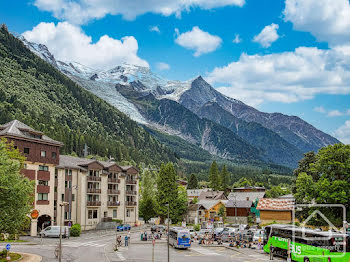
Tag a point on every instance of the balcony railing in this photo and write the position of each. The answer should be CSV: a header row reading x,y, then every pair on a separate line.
x,y
93,203
94,190
93,178
130,192
113,180
130,203
113,192
113,203
133,182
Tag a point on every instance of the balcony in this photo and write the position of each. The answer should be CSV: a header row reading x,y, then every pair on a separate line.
x,y
94,190
113,203
93,203
30,174
113,192
93,178
42,202
130,203
130,192
113,180
43,175
132,182
42,189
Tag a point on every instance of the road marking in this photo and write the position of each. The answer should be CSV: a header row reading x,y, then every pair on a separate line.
x,y
205,251
120,256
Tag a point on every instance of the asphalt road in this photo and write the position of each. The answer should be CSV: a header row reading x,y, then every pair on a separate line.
x,y
98,246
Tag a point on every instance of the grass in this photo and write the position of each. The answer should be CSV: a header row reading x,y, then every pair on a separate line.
x,y
13,256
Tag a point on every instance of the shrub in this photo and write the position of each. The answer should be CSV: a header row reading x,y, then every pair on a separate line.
x,y
3,253
197,227
75,230
118,221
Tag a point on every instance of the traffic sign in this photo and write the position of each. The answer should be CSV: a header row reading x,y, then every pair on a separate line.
x,y
8,247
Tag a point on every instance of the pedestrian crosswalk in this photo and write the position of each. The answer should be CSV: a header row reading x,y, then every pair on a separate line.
x,y
84,244
205,251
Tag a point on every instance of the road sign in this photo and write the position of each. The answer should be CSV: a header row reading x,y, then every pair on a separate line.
x,y
8,247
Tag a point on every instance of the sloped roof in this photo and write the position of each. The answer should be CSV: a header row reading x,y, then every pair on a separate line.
x,y
196,192
276,204
214,195
18,129
242,196
288,196
208,204
79,163
239,204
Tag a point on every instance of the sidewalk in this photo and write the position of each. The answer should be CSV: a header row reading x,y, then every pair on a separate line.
x,y
26,257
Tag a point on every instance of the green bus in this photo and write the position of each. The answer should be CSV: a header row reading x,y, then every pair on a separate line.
x,y
307,245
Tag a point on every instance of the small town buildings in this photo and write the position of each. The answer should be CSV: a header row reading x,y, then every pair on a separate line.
x,y
275,210
238,211
194,193
96,191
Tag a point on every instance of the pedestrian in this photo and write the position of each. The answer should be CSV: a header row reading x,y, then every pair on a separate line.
x,y
272,249
126,239
259,243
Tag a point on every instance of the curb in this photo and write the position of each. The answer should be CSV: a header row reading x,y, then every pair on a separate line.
x,y
32,257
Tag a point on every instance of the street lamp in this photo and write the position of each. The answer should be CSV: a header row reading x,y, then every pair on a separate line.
x,y
60,245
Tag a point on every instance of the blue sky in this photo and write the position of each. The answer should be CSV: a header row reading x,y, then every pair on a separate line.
x,y
293,56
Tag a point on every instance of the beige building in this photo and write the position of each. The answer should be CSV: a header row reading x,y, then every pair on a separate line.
x,y
96,191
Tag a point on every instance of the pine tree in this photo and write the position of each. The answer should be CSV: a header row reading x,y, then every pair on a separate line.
x,y
193,182
225,178
214,176
167,192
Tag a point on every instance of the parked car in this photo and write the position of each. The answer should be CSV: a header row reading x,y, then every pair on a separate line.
x,y
217,232
227,236
258,234
54,231
158,228
202,232
125,227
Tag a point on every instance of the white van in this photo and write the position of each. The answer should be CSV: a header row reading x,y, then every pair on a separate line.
x,y
54,231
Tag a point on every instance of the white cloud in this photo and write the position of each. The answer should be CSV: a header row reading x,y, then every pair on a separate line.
x,y
320,109
327,20
343,132
333,113
284,77
267,36
82,11
162,66
154,29
237,39
69,43
199,41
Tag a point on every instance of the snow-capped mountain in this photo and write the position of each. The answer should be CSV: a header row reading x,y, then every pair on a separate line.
x,y
135,90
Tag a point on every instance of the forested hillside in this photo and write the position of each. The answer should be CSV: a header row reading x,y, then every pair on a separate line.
x,y
37,94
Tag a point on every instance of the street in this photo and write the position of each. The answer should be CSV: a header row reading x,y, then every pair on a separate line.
x,y
99,245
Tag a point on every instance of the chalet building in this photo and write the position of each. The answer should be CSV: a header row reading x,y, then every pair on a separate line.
x,y
212,195
238,211
96,191
275,210
195,193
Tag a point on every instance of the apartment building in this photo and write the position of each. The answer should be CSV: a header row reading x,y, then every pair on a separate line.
x,y
96,191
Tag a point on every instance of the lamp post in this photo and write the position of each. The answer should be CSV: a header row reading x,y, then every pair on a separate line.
x,y
60,245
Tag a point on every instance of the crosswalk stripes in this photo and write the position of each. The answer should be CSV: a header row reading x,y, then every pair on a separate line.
x,y
205,251
120,256
84,244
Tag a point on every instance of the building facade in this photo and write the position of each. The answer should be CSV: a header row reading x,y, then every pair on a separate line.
x,y
96,191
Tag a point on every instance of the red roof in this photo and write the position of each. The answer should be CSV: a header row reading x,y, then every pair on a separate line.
x,y
275,204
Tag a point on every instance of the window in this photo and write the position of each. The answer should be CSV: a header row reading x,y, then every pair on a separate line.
x,y
62,197
53,155
55,189
68,184
73,197
26,150
43,183
92,214
43,153
67,216
68,172
42,196
43,168
114,213
56,173
25,166
128,212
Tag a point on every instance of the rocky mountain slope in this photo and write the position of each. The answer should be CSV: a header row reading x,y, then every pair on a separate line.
x,y
196,112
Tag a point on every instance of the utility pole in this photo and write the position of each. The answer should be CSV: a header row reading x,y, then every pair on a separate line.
x,y
168,233
62,218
